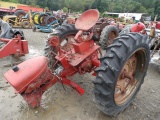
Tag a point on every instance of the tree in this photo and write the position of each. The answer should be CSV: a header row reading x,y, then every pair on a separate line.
x,y
143,6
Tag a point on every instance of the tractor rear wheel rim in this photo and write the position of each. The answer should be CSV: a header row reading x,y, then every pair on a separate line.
x,y
36,18
127,83
111,37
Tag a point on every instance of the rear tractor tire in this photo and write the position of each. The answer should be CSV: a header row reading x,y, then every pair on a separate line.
x,y
35,18
20,13
121,73
50,19
109,33
66,35
42,18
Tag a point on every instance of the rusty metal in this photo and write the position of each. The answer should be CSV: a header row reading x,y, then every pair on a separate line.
x,y
111,37
74,56
97,29
152,32
156,46
54,41
14,46
126,83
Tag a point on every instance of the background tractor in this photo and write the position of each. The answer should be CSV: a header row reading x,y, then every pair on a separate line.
x,y
20,19
72,49
105,30
6,11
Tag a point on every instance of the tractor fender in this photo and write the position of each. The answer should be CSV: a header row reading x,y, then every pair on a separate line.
x,y
25,74
31,79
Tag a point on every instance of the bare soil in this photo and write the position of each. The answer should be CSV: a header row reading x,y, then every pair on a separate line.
x,y
59,104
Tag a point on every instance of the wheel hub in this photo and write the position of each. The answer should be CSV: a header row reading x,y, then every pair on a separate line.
x,y
111,37
126,83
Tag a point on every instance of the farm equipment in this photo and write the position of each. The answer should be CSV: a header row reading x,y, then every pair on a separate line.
x,y
6,11
105,30
44,22
21,20
16,46
152,31
69,21
154,35
68,18
70,50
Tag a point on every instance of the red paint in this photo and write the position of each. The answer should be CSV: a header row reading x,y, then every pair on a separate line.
x,y
158,25
14,46
26,74
138,27
27,8
87,20
34,76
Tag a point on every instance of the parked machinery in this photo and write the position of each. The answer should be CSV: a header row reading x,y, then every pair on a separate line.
x,y
16,46
7,11
44,22
20,19
119,73
105,30
152,31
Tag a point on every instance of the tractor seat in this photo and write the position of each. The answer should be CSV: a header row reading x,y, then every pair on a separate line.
x,y
87,20
26,72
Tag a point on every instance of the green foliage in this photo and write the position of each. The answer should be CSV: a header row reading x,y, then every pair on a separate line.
x,y
14,1
65,9
151,7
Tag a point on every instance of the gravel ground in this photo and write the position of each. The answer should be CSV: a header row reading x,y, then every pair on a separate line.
x,y
68,105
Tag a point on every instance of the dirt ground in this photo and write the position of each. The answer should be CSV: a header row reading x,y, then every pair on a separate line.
x,y
67,105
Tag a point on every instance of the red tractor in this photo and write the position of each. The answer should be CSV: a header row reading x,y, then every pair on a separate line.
x,y
70,50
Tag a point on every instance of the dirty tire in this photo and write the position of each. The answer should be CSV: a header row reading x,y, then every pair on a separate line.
x,y
110,69
50,19
20,13
35,18
41,19
126,29
105,39
26,25
62,32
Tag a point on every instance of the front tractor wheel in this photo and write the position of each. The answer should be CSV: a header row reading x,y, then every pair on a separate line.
x,y
121,72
